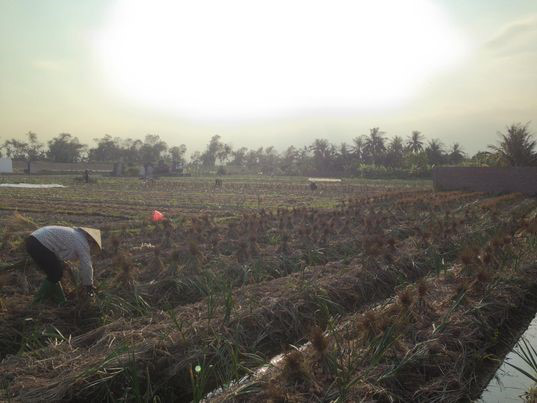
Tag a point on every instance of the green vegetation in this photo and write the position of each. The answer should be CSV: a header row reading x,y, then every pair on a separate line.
x,y
370,156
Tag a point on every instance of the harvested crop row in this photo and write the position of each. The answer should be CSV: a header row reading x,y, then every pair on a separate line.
x,y
167,291
202,267
161,287
256,318
17,312
130,197
426,345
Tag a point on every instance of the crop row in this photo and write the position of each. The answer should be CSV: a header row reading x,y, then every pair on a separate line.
x,y
428,343
240,327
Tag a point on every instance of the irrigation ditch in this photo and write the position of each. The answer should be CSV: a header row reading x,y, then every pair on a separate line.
x,y
495,373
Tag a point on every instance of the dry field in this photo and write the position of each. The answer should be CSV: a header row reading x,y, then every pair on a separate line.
x,y
370,291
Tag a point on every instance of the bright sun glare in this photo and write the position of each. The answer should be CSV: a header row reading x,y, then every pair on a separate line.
x,y
243,58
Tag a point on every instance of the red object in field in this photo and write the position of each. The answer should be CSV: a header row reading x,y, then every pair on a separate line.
x,y
157,216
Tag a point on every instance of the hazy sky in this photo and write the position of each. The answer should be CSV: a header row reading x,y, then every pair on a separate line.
x,y
274,72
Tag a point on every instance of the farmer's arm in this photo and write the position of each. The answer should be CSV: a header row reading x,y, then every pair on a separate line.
x,y
86,267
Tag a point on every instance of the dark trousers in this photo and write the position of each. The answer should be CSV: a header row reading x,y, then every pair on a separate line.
x,y
45,259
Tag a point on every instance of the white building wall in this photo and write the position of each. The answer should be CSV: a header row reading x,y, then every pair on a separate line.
x,y
6,165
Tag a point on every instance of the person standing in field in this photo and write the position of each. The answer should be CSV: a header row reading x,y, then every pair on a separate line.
x,y
51,246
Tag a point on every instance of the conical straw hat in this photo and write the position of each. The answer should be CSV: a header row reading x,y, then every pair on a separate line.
x,y
95,234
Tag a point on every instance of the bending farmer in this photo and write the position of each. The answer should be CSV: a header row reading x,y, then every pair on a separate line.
x,y
50,246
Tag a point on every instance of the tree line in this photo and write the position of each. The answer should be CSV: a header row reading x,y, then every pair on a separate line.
x,y
368,155
67,148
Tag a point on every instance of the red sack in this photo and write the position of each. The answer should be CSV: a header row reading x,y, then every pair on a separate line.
x,y
157,216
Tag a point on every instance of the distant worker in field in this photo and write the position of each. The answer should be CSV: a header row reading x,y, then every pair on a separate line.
x,y
313,186
51,246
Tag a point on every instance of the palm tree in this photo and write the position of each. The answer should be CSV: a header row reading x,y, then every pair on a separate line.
x,y
435,152
358,148
374,145
456,154
394,156
289,160
415,142
321,149
323,155
516,146
396,144
344,158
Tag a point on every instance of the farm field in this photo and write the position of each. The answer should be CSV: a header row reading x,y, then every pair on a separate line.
x,y
366,290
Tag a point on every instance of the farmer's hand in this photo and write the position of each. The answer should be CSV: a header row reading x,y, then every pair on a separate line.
x,y
88,290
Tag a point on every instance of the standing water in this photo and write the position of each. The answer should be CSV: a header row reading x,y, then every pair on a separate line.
x,y
508,384
31,185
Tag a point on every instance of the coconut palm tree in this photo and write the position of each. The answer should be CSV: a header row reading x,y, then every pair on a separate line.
x,y
323,155
358,148
344,158
516,147
456,154
415,142
374,145
435,152
396,144
395,152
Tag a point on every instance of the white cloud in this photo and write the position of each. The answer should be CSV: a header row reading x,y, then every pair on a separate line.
x,y
518,36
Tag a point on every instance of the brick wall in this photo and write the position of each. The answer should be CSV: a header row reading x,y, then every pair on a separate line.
x,y
488,180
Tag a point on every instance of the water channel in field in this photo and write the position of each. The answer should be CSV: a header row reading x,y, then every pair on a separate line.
x,y
31,185
508,384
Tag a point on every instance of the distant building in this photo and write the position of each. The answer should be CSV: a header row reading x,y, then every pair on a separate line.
x,y
6,166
